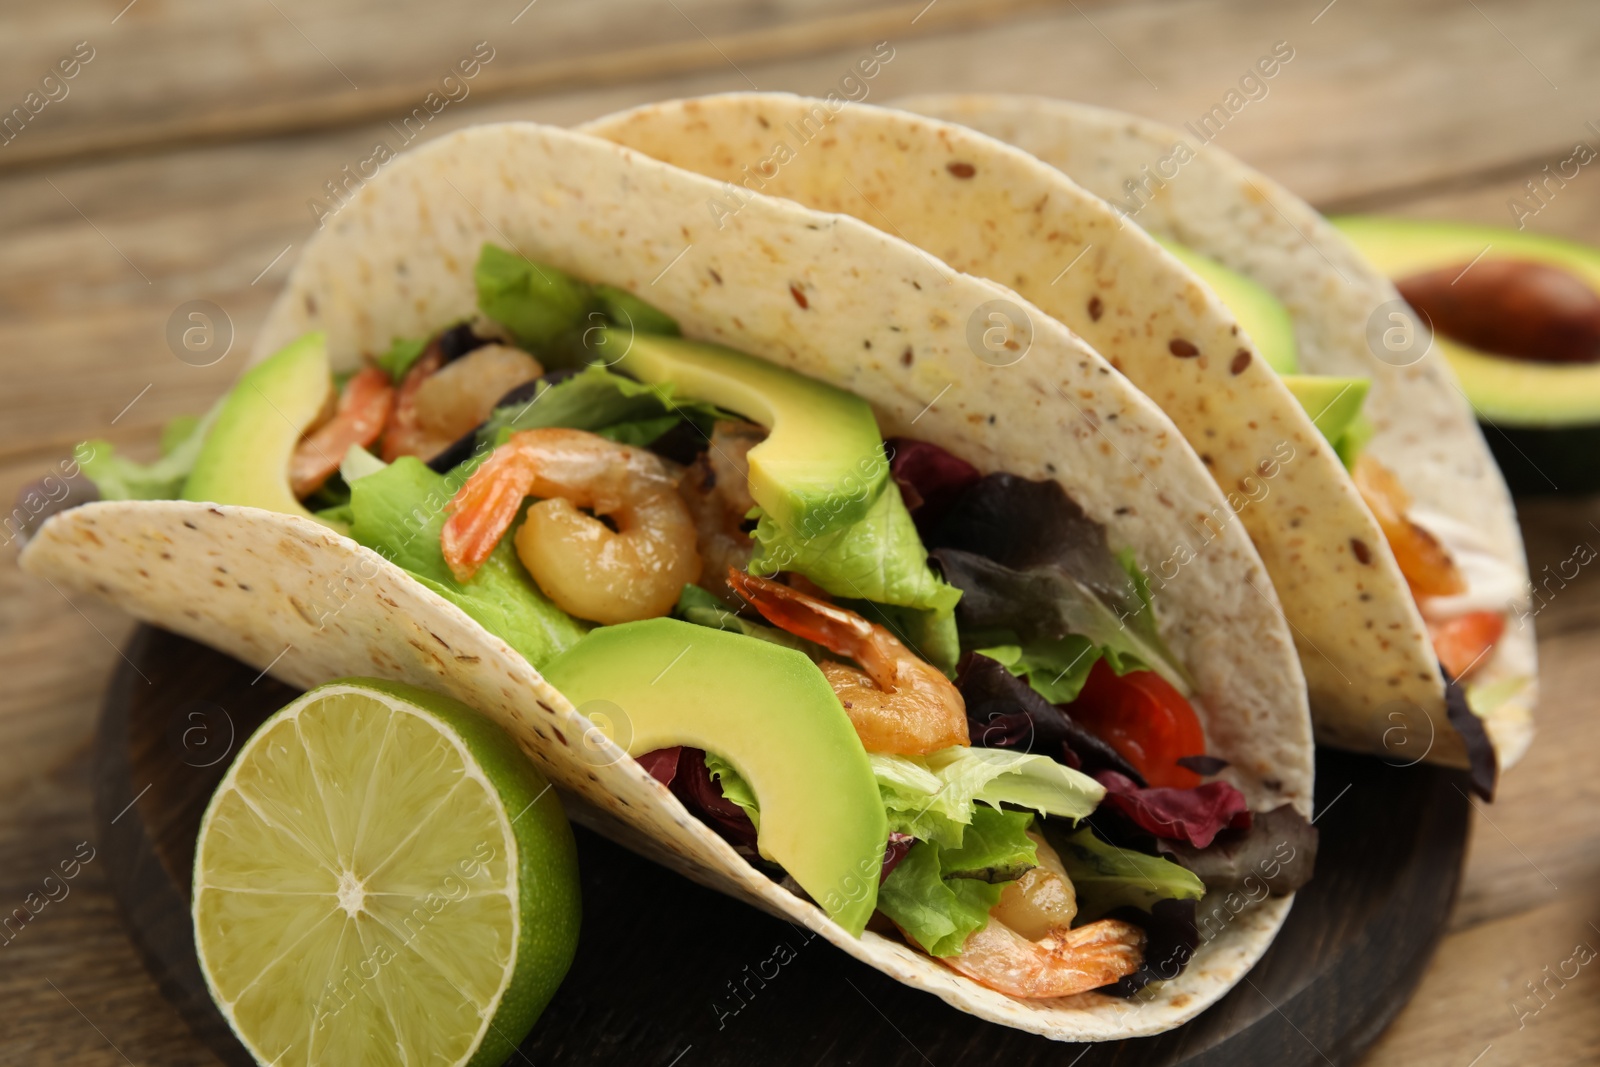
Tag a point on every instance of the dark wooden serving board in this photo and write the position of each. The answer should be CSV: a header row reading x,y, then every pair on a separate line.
x,y
660,958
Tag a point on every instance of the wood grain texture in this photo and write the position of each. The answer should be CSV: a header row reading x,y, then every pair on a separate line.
x,y
1422,108
1317,996
208,72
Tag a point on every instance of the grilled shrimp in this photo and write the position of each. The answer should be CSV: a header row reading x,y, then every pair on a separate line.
x,y
438,402
1426,565
461,394
898,702
590,570
1042,899
1063,962
405,436
717,490
359,418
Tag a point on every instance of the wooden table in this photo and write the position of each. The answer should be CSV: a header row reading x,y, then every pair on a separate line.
x,y
182,162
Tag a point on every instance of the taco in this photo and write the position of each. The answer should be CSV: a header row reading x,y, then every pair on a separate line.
x,y
1006,777
1353,552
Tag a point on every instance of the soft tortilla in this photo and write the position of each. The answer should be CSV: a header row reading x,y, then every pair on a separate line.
x,y
995,211
1426,431
288,595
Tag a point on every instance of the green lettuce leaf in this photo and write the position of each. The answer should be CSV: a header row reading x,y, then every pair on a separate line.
x,y
553,313
602,402
119,478
879,557
1107,877
178,429
1042,604
734,787
937,914
1056,668
399,512
934,895
934,797
1354,438
629,312
536,302
995,848
401,355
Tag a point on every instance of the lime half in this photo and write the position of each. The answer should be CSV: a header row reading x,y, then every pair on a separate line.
x,y
383,878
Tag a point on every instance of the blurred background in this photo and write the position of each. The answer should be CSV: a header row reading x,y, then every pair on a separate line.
x,y
163,156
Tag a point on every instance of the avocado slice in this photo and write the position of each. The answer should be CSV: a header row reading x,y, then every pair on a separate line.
x,y
822,465
1545,417
1334,405
245,457
769,712
1261,315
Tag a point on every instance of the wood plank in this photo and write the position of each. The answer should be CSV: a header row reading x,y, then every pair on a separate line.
x,y
199,72
99,256
1378,96
74,954
1475,1000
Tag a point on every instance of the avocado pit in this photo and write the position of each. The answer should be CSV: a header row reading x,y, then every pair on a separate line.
x,y
1517,308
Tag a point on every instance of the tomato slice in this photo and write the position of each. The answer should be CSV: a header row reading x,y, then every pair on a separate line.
x,y
1462,643
1145,719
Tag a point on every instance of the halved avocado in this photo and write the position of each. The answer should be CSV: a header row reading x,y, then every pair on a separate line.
x,y
822,465
767,710
245,457
1261,315
1543,417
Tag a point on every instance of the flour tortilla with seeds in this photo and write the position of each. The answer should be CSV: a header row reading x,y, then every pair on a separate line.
x,y
398,261
996,211
1425,428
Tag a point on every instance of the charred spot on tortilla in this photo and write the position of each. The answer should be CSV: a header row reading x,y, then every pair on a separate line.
x,y
961,170
1097,308
1359,549
799,297
1241,360
1182,349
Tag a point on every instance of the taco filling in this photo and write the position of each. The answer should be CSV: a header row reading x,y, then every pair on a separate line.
x,y
1465,593
931,699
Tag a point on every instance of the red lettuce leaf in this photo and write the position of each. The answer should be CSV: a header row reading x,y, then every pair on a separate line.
x,y
931,480
899,844
1172,938
1276,855
1194,815
662,764
1022,524
683,770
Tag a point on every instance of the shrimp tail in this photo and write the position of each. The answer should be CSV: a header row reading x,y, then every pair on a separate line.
x,y
483,510
844,633
358,420
1064,963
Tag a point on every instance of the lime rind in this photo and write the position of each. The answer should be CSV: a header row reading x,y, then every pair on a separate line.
x,y
382,779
